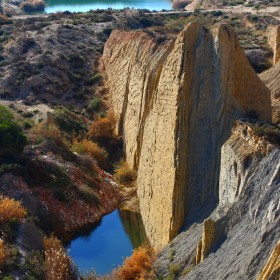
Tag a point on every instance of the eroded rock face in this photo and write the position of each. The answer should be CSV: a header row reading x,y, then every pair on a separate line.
x,y
206,244
271,78
274,41
176,104
246,230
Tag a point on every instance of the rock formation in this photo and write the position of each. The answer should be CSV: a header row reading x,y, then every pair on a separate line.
x,y
247,228
208,238
271,78
274,41
176,104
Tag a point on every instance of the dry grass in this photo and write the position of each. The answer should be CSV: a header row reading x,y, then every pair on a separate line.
x,y
138,266
58,265
93,149
47,131
33,5
124,174
11,209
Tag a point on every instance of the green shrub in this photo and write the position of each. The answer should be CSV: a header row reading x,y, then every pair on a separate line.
x,y
12,140
93,80
95,105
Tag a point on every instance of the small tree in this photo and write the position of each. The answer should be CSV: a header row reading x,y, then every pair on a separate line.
x,y
12,139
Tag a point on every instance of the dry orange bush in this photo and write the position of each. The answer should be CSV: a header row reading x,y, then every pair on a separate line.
x,y
93,149
58,265
138,266
104,127
11,209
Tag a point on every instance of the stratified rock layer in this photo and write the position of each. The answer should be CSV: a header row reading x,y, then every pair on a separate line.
x,y
176,104
247,229
271,78
274,41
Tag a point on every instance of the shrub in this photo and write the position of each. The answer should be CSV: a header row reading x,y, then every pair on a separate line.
x,y
49,132
103,127
137,266
124,174
12,140
33,5
58,265
11,209
95,105
88,147
95,78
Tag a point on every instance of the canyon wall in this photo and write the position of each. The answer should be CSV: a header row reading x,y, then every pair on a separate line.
x,y
245,241
176,103
271,78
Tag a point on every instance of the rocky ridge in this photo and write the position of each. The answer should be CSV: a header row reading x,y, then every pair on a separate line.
x,y
176,104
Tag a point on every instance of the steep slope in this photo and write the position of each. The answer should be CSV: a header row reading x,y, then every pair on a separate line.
x,y
271,78
247,228
176,104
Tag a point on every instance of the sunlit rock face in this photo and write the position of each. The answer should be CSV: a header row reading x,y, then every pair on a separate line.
x,y
175,104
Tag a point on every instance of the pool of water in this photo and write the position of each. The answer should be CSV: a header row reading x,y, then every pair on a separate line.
x,y
86,5
108,243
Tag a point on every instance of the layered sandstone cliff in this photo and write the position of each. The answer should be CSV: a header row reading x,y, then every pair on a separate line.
x,y
242,244
274,41
176,104
271,78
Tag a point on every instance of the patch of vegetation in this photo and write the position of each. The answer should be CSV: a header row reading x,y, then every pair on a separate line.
x,y
93,80
124,174
93,149
95,105
12,139
88,195
138,265
69,122
270,132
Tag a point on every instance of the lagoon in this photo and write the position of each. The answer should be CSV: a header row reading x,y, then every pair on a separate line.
x,y
108,243
86,5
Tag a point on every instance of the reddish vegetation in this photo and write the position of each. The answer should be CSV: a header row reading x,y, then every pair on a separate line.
x,y
77,213
138,266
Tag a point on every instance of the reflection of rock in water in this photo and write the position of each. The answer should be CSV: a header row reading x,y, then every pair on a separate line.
x,y
133,225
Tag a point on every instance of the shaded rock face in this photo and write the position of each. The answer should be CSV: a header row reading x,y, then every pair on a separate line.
x,y
247,230
271,78
176,104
